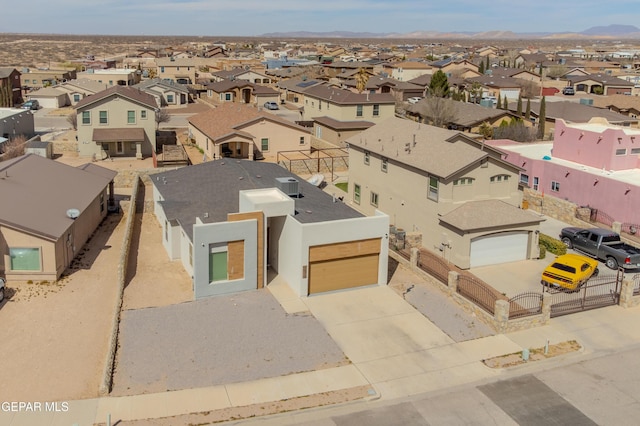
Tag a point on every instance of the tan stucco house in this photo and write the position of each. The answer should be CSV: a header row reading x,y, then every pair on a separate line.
x,y
47,217
117,122
324,100
457,192
242,131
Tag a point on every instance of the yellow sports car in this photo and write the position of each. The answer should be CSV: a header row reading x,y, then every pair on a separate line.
x,y
569,271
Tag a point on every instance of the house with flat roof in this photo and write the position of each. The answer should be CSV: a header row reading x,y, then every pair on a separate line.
x,y
49,212
231,222
593,164
458,193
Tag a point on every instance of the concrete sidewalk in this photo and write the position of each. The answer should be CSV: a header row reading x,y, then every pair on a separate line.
x,y
393,348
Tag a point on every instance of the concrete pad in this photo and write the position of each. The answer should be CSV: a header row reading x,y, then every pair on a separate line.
x,y
357,305
331,379
395,367
488,347
134,407
289,301
386,336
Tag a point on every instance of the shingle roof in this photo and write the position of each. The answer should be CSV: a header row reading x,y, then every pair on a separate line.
x,y
437,151
606,80
341,96
167,84
485,214
6,71
573,112
343,125
125,134
128,92
213,187
467,114
229,117
37,192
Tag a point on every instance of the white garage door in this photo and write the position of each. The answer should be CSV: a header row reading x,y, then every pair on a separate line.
x,y
499,248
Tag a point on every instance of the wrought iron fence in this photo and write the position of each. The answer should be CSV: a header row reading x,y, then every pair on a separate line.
x,y
479,292
630,228
525,304
598,292
435,266
636,284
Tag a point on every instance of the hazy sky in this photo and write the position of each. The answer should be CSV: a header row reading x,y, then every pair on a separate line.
x,y
255,17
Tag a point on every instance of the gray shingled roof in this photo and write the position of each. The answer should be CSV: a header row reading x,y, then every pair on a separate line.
x,y
343,125
213,187
573,112
437,151
37,192
484,214
127,92
341,96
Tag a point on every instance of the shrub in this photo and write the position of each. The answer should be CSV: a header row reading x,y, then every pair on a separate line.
x,y
543,252
553,245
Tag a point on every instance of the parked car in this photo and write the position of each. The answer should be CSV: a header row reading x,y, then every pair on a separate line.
x,y
569,272
568,91
602,244
271,105
32,105
414,100
2,289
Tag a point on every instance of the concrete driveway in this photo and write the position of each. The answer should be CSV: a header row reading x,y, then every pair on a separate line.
x,y
397,348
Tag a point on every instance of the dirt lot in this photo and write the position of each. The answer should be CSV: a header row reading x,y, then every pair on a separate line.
x,y
154,280
54,335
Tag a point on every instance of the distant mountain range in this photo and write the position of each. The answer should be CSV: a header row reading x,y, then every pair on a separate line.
x,y
604,32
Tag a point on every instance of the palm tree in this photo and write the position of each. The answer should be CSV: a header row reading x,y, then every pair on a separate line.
x,y
362,77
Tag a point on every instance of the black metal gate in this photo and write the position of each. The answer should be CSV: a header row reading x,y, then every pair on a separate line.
x,y
598,292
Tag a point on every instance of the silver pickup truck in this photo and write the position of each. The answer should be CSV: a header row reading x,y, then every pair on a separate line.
x,y
604,245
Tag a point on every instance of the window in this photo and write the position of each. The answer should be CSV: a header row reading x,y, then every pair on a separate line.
x,y
101,202
110,82
320,105
161,69
265,144
227,96
143,114
465,181
635,151
433,188
356,193
621,151
524,178
555,186
131,117
358,110
374,199
25,259
499,178
376,110
536,182
86,117
385,165
170,99
218,266
366,158
103,117
301,140
76,98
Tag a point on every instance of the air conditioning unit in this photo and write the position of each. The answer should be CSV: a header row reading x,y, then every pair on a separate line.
x,y
288,185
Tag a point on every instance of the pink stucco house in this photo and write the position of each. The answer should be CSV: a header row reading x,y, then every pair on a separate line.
x,y
591,164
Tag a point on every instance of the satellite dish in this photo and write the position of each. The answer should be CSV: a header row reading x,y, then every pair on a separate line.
x,y
73,213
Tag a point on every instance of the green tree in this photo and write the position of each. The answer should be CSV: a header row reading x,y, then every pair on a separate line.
x,y
505,103
481,68
542,118
499,104
487,65
486,130
519,110
527,114
439,84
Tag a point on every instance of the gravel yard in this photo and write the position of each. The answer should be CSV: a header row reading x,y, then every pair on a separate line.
x,y
217,340
434,304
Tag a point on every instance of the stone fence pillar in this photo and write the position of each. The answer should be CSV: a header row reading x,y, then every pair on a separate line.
x,y
546,308
626,293
501,314
616,227
452,282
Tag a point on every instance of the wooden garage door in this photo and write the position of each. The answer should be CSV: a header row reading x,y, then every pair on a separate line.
x,y
343,265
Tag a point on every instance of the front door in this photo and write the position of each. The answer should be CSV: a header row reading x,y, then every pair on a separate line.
x,y
119,147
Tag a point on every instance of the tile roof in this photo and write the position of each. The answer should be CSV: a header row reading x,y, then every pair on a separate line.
x,y
475,215
213,187
37,193
128,92
437,151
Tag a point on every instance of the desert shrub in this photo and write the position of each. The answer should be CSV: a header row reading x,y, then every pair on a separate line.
x,y
543,251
